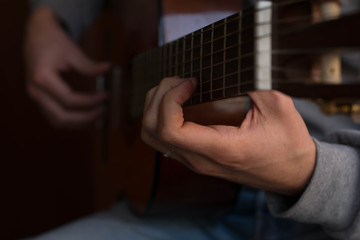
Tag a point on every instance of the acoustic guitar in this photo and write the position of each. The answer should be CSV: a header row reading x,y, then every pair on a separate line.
x,y
295,46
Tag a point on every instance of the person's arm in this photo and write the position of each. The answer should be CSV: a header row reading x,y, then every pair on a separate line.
x,y
332,197
49,51
75,15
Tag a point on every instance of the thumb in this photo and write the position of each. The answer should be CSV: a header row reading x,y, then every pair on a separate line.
x,y
86,66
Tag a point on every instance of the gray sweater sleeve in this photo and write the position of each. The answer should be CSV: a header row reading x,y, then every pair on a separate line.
x,y
76,15
332,198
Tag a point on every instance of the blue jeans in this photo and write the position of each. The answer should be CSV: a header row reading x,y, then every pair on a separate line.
x,y
250,219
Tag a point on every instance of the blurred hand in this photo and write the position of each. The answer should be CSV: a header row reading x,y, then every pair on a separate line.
x,y
271,149
48,52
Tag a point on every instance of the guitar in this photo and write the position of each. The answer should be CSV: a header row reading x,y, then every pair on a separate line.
x,y
260,48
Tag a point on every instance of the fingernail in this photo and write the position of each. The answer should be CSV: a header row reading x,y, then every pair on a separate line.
x,y
194,82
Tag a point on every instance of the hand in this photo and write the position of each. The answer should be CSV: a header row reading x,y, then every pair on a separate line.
x,y
271,149
48,52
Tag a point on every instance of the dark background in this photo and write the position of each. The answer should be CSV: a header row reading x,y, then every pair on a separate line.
x,y
45,173
50,176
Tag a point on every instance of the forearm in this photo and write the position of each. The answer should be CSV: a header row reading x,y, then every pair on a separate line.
x,y
76,15
332,197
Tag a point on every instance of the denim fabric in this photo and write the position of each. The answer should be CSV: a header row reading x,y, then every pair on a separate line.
x,y
250,219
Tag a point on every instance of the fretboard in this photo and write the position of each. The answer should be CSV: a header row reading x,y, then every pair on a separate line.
x,y
221,56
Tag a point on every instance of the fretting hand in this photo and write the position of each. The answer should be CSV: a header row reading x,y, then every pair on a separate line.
x,y
271,149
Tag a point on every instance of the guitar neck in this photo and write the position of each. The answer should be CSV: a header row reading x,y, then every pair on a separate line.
x,y
232,57
221,56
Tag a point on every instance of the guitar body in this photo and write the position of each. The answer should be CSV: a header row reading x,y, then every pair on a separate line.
x,y
239,62
123,164
177,190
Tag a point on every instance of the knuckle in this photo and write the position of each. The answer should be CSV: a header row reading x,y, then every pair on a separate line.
x,y
147,122
166,134
149,94
164,82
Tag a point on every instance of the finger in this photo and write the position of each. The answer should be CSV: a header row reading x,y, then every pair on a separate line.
x,y
271,101
59,116
86,66
164,86
148,98
172,128
55,86
150,118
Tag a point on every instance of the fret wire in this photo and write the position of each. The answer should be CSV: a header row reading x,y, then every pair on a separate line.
x,y
238,17
211,59
273,22
160,62
219,38
239,54
274,68
170,58
245,42
281,52
212,53
287,20
214,65
230,74
161,65
251,82
183,66
227,87
164,62
273,52
224,55
220,63
176,57
148,70
192,55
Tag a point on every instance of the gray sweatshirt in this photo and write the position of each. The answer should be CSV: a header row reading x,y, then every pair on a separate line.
x,y
332,198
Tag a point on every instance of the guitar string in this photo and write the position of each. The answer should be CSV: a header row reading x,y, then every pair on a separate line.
x,y
230,34
228,21
170,70
273,69
236,32
220,50
239,16
221,38
250,83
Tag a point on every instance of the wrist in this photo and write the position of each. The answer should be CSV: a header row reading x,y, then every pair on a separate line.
x,y
303,169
